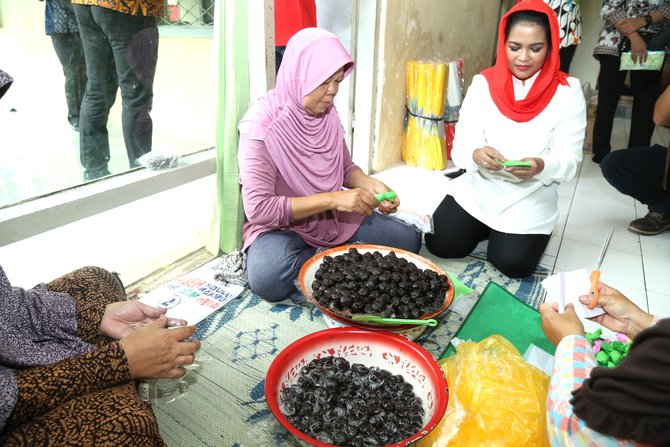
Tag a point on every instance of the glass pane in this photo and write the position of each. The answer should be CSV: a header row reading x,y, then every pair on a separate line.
x,y
40,145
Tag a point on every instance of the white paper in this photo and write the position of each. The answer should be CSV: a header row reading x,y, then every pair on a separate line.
x,y
566,288
194,296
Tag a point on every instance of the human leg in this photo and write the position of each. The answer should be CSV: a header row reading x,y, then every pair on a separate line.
x,y
610,85
99,96
456,232
566,54
638,172
274,260
112,417
70,53
134,43
92,288
516,255
646,85
384,230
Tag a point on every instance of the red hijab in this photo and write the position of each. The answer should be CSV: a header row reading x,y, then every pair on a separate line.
x,y
500,78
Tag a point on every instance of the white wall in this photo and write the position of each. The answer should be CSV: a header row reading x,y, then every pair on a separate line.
x,y
135,239
584,66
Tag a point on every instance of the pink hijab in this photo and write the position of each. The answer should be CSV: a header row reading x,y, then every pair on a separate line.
x,y
306,149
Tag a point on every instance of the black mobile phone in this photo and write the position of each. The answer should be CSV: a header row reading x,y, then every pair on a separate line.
x,y
455,174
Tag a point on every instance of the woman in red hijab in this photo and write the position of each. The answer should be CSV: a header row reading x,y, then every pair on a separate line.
x,y
300,189
521,109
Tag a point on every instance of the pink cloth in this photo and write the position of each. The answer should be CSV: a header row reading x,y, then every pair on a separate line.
x,y
308,153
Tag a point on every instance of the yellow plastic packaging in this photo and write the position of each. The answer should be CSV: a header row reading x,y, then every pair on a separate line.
x,y
423,140
496,399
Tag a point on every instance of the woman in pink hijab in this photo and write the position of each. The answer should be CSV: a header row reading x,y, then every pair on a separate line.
x,y
301,190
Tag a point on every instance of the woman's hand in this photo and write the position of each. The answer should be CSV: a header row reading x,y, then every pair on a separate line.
x,y
355,200
638,48
124,317
158,352
557,326
630,25
486,158
526,172
359,179
621,315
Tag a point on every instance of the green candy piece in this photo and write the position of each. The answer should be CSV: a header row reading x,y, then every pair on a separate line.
x,y
607,347
602,358
610,365
510,163
616,357
388,195
593,336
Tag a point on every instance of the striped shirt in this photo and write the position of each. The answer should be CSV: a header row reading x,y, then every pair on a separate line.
x,y
573,362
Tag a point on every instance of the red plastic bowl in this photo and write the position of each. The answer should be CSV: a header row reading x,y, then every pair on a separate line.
x,y
388,351
309,269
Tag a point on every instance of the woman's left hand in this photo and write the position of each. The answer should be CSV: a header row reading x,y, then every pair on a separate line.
x,y
124,317
375,186
630,25
526,172
557,326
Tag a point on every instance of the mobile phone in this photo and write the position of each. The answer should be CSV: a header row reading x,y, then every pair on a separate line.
x,y
510,163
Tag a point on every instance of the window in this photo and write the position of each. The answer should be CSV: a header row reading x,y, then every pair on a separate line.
x,y
189,13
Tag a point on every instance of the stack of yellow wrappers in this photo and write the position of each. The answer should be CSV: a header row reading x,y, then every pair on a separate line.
x,y
423,141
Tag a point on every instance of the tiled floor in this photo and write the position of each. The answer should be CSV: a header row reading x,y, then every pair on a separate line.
x,y
636,265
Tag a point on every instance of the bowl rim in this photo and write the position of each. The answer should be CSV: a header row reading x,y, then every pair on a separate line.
x,y
436,373
374,247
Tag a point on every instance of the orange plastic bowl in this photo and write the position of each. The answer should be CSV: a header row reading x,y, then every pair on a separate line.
x,y
391,352
309,269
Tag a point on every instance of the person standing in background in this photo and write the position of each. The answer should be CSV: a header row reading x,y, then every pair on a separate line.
x,y
61,24
290,17
570,27
636,22
120,42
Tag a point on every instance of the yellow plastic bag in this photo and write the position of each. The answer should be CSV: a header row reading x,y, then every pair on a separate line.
x,y
496,399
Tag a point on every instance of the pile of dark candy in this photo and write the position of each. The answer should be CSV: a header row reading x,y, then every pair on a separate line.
x,y
352,405
376,284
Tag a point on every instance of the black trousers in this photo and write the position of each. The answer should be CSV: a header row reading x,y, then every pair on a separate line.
x,y
121,50
638,172
646,87
70,53
457,233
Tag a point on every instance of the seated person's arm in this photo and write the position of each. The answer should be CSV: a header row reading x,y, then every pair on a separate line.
x,y
662,109
574,360
258,179
153,351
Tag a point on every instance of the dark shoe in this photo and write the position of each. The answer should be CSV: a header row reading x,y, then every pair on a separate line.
x,y
93,174
597,158
651,224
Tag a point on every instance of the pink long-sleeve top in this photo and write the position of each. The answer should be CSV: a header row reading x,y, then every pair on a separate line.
x,y
267,198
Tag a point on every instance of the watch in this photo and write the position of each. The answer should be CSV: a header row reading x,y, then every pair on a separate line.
x,y
648,19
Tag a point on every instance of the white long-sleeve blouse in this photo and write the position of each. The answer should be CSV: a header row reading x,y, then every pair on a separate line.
x,y
498,199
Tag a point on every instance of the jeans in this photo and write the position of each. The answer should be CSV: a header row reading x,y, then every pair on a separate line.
x,y
121,50
638,172
70,53
274,259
